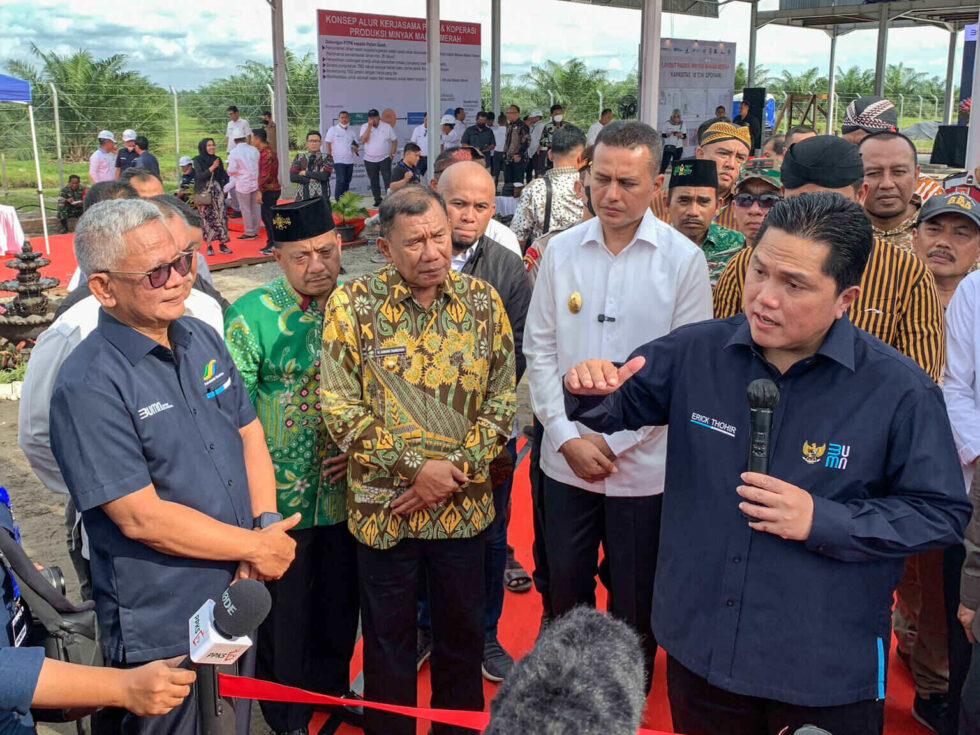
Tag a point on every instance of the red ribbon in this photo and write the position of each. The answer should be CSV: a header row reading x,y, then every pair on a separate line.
x,y
247,688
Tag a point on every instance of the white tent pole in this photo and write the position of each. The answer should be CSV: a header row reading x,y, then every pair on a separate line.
x,y
650,68
433,80
40,186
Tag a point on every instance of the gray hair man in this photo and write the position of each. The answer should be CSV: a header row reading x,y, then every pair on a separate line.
x,y
159,446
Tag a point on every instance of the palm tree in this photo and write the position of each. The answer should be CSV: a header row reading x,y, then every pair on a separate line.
x,y
573,85
808,82
762,77
93,94
902,80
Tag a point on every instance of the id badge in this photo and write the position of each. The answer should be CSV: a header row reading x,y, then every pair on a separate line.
x,y
19,623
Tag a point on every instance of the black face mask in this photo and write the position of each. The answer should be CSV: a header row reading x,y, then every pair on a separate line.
x,y
588,200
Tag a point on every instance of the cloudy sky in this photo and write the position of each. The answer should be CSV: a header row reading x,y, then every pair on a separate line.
x,y
167,42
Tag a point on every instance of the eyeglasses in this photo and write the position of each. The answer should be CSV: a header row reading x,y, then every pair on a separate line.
x,y
766,201
161,274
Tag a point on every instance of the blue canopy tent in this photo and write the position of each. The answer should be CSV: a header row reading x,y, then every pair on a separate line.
x,y
18,91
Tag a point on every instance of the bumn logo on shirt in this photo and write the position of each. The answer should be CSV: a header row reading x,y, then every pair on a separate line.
x,y
153,409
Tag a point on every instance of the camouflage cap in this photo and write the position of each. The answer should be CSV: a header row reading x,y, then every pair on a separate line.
x,y
763,169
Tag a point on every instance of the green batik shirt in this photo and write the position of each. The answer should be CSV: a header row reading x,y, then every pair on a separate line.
x,y
276,344
719,245
403,384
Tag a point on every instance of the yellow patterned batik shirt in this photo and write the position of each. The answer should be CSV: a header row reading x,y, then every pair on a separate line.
x,y
401,384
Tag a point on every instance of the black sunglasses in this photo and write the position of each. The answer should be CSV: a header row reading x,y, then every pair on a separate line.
x,y
766,201
161,274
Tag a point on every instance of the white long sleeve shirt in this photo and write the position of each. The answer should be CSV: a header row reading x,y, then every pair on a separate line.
x,y
420,136
102,166
236,129
594,131
960,388
243,169
657,283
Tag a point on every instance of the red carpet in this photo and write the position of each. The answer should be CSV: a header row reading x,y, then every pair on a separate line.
x,y
522,613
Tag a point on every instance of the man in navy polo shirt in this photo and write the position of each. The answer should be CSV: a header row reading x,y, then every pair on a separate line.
x,y
160,449
783,619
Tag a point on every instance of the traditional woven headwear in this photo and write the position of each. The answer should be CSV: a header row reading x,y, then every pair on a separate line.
x,y
872,114
720,131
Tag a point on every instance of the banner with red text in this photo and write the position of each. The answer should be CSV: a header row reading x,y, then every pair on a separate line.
x,y
695,78
378,61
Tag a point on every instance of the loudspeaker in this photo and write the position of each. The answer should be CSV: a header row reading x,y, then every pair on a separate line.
x,y
756,97
949,148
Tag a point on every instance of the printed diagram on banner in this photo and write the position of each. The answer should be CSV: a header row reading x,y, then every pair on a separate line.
x,y
378,61
695,78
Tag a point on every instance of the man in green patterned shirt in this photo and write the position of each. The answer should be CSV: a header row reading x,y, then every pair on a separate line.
x,y
274,334
418,389
692,203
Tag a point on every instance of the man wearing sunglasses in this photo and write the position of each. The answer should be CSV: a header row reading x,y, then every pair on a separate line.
x,y
898,303
160,449
758,188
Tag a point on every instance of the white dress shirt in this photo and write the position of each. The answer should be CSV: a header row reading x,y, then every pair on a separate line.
x,y
960,388
420,136
452,139
378,146
536,132
594,131
459,128
236,129
102,166
499,138
243,169
657,283
500,233
340,139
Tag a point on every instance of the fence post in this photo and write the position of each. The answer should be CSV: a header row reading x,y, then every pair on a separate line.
x,y
176,135
272,102
57,135
901,110
920,108
935,107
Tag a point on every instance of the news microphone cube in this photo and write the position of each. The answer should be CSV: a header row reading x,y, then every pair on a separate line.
x,y
207,645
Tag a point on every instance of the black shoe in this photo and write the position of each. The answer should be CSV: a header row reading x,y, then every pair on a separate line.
x,y
497,663
297,731
210,249
224,248
248,237
932,712
423,647
377,203
63,230
267,250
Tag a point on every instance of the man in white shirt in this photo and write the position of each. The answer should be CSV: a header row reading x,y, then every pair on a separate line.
x,y
451,136
51,349
536,124
102,163
460,125
237,128
604,119
611,283
380,143
420,136
243,177
342,145
500,145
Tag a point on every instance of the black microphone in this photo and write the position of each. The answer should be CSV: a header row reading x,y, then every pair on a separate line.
x,y
763,396
585,675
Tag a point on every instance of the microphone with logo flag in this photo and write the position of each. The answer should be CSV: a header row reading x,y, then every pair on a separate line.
x,y
763,395
219,636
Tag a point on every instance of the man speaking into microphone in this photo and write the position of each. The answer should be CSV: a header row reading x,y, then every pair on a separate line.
x,y
782,619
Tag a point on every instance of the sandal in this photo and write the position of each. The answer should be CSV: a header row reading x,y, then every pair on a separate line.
x,y
516,578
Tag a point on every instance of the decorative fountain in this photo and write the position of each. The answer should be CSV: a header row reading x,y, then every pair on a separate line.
x,y
28,313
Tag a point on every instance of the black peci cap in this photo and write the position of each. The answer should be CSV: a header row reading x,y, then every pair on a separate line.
x,y
301,220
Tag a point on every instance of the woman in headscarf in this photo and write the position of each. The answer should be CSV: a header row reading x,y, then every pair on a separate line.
x,y
673,135
209,178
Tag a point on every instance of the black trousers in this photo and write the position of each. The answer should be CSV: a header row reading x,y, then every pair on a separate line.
x,y
269,199
308,638
382,168
513,174
539,548
454,570
699,708
629,531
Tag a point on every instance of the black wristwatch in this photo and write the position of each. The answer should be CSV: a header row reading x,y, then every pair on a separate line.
x,y
266,519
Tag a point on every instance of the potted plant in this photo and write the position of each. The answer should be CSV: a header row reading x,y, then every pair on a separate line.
x,y
350,213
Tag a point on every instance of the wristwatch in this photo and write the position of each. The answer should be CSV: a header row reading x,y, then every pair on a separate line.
x,y
266,519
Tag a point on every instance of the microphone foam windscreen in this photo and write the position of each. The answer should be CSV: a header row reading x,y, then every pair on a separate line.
x,y
762,393
241,608
584,675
